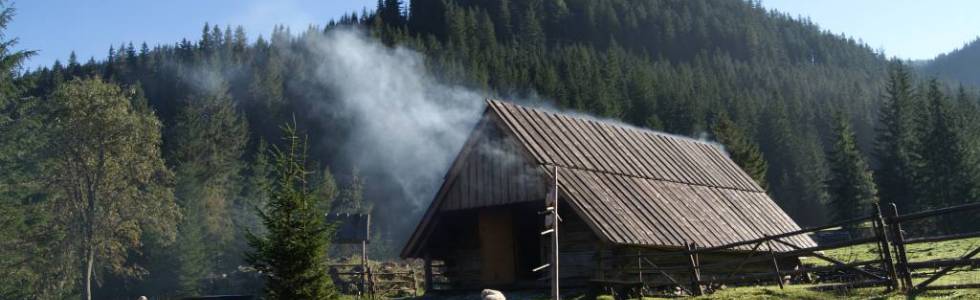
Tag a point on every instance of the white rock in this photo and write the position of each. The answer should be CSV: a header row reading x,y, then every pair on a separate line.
x,y
489,294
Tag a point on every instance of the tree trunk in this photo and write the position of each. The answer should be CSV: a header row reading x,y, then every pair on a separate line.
x,y
89,264
90,233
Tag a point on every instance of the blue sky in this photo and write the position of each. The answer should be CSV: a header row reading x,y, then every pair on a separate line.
x,y
56,27
910,29
903,28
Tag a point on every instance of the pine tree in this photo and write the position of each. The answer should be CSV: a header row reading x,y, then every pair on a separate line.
x,y
797,180
529,29
21,141
206,44
326,189
391,12
190,251
350,200
743,151
210,137
896,141
851,185
254,196
948,173
209,140
293,253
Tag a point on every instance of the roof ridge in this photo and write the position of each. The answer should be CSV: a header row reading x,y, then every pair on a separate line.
x,y
581,116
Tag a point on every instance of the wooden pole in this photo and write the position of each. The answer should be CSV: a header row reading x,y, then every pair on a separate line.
x,y
775,264
364,268
695,273
639,267
902,267
427,269
883,243
554,241
415,282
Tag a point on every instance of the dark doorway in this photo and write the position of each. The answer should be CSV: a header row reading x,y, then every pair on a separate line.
x,y
527,239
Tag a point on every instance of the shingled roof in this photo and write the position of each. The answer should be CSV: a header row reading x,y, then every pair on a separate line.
x,y
639,187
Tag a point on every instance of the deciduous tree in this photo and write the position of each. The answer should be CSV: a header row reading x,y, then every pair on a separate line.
x,y
104,160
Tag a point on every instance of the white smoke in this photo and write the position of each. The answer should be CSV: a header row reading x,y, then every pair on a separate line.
x,y
406,124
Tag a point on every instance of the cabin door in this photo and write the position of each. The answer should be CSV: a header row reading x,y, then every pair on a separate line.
x,y
496,247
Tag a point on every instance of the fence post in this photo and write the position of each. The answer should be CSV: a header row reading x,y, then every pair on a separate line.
x,y
883,243
695,272
415,282
775,263
371,285
899,243
639,265
364,268
427,269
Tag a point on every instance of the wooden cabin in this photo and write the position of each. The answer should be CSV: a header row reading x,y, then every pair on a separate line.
x,y
623,192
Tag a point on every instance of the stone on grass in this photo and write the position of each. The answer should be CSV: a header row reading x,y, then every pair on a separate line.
x,y
489,294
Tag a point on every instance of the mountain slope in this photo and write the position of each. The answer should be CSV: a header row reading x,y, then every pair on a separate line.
x,y
668,65
387,98
960,65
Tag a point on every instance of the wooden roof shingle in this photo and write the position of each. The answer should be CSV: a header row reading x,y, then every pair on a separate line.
x,y
640,187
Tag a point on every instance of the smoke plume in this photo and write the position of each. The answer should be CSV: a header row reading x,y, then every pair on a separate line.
x,y
406,125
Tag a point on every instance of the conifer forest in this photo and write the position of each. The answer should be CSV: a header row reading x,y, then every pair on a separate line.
x,y
196,166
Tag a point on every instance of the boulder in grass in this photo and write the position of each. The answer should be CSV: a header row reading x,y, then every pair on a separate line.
x,y
489,294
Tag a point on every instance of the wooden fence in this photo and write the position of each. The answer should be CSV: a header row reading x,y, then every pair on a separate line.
x,y
378,281
891,268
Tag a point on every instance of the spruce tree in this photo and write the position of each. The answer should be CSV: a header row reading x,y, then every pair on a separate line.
x,y
350,200
851,185
254,196
743,151
949,172
209,140
190,252
18,162
292,255
391,12
896,140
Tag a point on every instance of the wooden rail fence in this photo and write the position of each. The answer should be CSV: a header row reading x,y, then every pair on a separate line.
x,y
891,268
385,280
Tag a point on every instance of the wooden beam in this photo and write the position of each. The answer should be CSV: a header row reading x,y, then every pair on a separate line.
x,y
898,241
427,269
695,272
943,271
831,260
555,291
883,245
775,264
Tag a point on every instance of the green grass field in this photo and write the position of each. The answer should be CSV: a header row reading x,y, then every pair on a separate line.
x,y
918,252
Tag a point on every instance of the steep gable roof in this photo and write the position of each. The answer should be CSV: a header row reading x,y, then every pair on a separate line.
x,y
639,187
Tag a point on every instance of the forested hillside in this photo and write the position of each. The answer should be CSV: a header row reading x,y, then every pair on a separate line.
x,y
808,113
959,65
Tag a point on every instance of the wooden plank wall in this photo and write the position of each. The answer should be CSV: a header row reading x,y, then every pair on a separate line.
x,y
578,248
494,173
